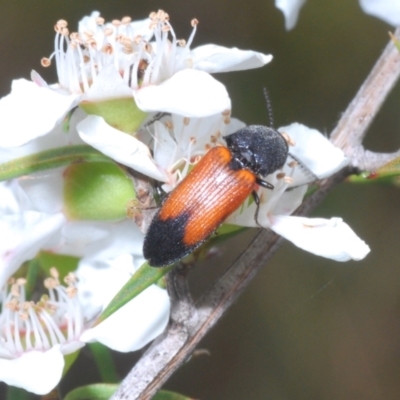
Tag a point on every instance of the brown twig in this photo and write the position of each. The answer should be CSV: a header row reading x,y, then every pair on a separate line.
x,y
354,123
189,325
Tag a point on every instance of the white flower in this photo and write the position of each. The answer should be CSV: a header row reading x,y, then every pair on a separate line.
x,y
104,65
387,10
318,159
35,336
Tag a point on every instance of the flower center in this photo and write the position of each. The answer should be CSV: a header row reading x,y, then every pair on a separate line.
x,y
25,325
80,56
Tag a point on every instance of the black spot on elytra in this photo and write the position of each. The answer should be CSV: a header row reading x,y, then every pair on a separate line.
x,y
163,244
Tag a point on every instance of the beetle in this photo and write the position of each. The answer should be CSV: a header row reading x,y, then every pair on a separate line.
x,y
216,187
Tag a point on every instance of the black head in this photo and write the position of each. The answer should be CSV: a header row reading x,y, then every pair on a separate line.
x,y
260,149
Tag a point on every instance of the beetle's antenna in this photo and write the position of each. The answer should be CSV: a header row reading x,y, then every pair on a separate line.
x,y
269,108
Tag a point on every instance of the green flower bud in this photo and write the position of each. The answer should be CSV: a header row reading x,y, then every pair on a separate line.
x,y
96,191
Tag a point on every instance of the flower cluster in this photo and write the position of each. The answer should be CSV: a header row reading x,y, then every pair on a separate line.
x,y
71,201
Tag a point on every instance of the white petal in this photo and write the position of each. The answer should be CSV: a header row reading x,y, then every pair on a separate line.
x,y
272,202
98,240
289,201
387,10
36,371
165,148
212,58
135,324
45,190
122,237
290,9
57,137
189,92
22,236
314,151
30,111
13,199
331,238
119,146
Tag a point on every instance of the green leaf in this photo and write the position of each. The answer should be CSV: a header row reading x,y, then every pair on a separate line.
x,y
390,169
388,174
32,275
167,395
96,391
140,280
96,191
122,113
14,393
226,231
48,159
104,362
69,360
63,263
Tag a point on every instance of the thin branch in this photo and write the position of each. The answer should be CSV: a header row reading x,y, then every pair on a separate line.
x,y
189,325
354,123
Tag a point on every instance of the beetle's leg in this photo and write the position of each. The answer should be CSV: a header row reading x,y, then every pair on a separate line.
x,y
265,184
256,198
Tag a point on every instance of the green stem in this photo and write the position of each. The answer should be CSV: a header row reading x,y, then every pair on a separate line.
x,y
48,159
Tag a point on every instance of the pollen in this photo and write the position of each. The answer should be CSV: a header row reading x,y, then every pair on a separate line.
x,y
293,164
107,49
186,121
280,175
194,22
61,27
226,117
45,62
108,31
126,20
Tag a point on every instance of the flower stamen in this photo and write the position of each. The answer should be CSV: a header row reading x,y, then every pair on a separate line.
x,y
55,319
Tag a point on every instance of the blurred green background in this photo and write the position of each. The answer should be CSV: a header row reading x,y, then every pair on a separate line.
x,y
306,328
